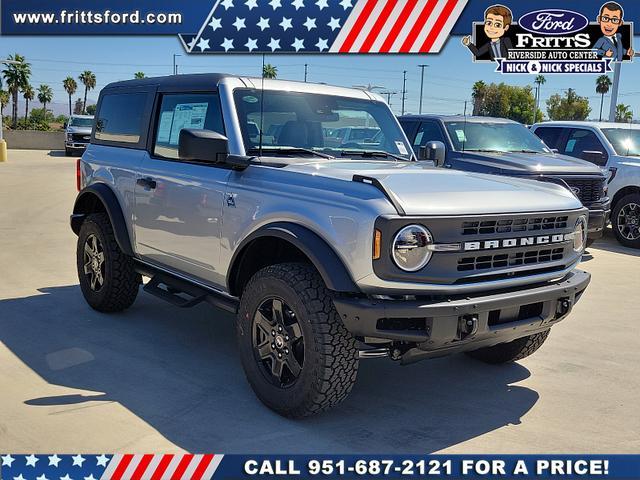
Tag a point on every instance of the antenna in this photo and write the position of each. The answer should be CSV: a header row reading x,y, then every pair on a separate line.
x,y
261,108
464,128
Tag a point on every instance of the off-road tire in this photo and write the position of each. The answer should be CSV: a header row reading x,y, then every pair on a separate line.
x,y
330,362
121,281
512,351
633,198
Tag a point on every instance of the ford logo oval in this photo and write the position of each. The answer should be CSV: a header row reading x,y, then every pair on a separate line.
x,y
553,22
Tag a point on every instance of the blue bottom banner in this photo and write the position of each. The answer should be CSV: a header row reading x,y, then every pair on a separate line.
x,y
207,466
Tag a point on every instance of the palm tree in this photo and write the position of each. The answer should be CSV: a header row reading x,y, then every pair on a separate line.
x,y
29,94
478,94
539,81
45,95
139,75
4,100
70,86
269,71
16,75
88,79
624,114
603,83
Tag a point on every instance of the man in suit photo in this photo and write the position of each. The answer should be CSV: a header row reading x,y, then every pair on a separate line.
x,y
610,45
497,20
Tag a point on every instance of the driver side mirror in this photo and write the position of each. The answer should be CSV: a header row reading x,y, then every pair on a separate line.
x,y
595,156
434,151
207,146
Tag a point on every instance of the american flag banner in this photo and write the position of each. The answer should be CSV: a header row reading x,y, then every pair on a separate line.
x,y
109,467
326,26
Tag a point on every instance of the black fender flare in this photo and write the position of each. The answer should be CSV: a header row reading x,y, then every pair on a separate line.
x,y
331,268
84,205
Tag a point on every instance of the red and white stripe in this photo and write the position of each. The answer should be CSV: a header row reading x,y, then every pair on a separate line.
x,y
162,467
398,26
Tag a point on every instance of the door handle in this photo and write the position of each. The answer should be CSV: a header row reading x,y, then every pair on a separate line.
x,y
147,182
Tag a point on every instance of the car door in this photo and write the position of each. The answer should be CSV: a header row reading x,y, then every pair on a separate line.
x,y
584,144
178,215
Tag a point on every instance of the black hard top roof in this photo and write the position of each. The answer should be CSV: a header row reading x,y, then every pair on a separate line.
x,y
196,81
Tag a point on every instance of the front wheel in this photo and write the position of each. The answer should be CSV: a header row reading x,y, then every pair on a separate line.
x,y
512,351
625,220
297,355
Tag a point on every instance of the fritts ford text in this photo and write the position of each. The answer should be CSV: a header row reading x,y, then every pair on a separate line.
x,y
88,17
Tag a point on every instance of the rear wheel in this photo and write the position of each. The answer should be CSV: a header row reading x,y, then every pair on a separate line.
x,y
625,219
297,355
512,351
107,276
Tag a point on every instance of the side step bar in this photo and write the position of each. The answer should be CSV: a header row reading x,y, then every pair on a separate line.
x,y
183,293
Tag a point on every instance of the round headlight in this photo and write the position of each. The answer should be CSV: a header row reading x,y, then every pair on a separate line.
x,y
410,248
580,235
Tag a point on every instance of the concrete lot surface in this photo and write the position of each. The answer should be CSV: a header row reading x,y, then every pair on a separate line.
x,y
159,378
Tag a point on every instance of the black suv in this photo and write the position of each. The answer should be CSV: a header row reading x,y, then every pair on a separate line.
x,y
504,147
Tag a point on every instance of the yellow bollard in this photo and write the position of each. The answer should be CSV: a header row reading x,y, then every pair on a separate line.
x,y
3,150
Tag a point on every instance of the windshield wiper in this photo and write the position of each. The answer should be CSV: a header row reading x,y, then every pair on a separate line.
x,y
372,154
524,150
482,150
289,150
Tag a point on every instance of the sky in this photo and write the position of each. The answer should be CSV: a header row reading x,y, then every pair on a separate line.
x,y
447,85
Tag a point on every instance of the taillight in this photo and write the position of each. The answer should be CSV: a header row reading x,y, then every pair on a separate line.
x,y
78,175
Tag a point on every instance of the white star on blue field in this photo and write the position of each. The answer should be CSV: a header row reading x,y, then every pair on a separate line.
x,y
272,26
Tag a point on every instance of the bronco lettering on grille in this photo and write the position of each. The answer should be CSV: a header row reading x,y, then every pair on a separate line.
x,y
517,242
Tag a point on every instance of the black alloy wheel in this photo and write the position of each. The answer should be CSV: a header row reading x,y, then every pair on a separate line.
x,y
278,342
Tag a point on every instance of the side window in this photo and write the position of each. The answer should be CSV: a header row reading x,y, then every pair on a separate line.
x,y
428,132
121,116
200,111
550,135
581,141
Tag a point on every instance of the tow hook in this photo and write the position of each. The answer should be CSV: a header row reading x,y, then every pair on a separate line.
x,y
563,307
467,326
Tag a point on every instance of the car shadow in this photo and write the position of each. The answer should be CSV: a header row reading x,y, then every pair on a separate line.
x,y
610,243
57,153
178,370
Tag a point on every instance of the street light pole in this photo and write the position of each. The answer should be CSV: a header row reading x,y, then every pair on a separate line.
x,y
422,67
404,88
306,67
175,65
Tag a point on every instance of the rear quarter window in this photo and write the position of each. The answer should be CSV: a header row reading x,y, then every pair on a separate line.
x,y
122,118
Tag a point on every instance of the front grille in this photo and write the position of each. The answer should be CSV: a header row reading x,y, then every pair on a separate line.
x,y
81,137
513,259
488,227
587,190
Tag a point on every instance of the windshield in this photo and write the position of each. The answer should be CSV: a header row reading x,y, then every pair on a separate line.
x,y
81,122
307,124
494,137
625,141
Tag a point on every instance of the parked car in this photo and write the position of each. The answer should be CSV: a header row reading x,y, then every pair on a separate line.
x,y
504,147
614,147
78,133
327,255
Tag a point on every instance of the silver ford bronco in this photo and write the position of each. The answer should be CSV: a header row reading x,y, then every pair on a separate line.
x,y
222,189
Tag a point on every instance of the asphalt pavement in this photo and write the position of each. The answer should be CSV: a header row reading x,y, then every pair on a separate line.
x,y
157,378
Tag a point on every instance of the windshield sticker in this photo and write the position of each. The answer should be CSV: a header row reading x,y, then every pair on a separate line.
x,y
461,136
402,148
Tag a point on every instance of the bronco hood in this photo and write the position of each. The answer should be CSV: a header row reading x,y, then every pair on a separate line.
x,y
529,163
426,190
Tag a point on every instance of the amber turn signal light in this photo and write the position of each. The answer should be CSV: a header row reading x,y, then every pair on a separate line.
x,y
377,239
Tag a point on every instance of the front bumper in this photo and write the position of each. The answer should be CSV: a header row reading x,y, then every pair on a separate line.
x,y
599,216
75,145
447,326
